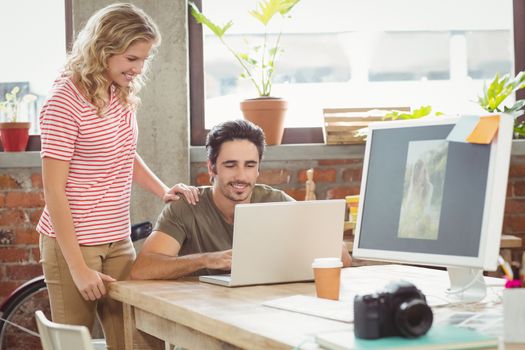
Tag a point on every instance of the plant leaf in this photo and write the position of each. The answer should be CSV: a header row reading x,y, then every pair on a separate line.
x,y
265,10
499,90
515,107
218,30
286,6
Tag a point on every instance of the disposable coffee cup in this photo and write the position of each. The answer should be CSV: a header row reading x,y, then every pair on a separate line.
x,y
327,274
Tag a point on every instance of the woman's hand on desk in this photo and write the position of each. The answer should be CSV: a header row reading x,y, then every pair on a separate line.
x,y
90,283
221,260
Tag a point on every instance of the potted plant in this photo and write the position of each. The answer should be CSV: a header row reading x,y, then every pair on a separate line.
x,y
499,89
13,133
258,66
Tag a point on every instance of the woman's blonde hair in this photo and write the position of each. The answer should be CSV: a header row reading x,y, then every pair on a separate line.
x,y
110,31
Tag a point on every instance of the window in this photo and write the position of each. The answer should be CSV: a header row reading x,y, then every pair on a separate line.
x,y
351,53
33,49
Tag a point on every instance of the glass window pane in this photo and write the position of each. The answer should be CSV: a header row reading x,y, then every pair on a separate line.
x,y
358,54
33,49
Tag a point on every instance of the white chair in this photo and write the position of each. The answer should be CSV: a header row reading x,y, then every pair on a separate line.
x,y
55,336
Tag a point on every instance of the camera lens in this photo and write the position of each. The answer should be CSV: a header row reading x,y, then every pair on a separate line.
x,y
413,318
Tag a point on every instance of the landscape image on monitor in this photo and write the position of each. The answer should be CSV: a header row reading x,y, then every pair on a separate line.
x,y
423,189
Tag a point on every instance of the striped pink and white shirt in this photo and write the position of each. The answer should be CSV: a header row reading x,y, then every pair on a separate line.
x,y
100,152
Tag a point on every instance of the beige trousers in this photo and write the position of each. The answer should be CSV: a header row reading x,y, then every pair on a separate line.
x,y
67,304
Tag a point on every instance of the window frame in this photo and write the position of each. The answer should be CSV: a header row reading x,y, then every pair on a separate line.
x,y
198,131
34,140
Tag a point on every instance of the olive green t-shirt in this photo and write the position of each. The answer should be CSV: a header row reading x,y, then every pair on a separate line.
x,y
201,228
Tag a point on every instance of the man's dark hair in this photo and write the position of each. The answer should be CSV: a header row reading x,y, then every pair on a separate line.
x,y
233,130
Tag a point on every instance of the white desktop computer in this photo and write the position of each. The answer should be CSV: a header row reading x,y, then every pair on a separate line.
x,y
428,201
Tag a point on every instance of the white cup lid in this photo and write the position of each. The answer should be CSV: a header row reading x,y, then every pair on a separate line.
x,y
327,263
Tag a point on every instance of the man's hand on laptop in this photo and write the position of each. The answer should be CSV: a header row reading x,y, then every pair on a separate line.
x,y
221,260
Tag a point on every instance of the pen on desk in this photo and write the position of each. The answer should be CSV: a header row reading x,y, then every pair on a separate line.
x,y
505,268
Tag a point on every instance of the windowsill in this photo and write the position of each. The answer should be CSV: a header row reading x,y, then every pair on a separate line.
x,y
20,160
319,151
273,153
295,152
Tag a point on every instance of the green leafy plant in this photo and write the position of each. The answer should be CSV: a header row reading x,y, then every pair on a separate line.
x,y
498,90
257,62
12,103
420,112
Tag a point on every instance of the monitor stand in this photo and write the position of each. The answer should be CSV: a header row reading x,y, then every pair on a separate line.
x,y
467,285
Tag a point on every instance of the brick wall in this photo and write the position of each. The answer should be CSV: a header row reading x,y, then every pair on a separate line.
x,y
514,222
338,178
333,178
21,204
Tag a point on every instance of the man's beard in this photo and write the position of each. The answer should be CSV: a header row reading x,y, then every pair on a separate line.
x,y
232,195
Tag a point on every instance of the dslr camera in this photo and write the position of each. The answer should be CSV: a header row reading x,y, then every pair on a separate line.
x,y
400,310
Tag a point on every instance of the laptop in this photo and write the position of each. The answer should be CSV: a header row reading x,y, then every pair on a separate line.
x,y
277,242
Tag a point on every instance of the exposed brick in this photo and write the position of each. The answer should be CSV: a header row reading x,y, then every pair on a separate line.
x,y
341,192
35,252
515,206
7,237
23,272
352,175
35,216
320,175
26,236
507,224
7,182
516,170
2,200
327,162
7,287
519,188
11,217
13,254
36,180
274,176
202,179
17,199
517,223
296,193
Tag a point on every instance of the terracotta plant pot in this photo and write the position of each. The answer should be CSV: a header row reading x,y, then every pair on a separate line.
x,y
14,136
268,113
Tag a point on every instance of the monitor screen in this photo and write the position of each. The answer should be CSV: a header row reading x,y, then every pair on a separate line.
x,y
425,200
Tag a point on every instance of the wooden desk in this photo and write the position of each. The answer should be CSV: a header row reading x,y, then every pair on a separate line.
x,y
202,316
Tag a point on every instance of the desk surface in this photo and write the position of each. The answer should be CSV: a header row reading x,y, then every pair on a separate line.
x,y
178,310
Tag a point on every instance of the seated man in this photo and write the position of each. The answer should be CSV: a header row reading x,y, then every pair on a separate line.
x,y
197,239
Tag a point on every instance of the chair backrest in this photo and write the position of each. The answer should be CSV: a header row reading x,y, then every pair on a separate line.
x,y
55,336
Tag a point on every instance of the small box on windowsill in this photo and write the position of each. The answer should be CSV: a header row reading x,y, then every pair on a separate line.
x,y
340,124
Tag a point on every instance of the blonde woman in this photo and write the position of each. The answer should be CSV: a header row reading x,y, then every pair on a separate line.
x,y
89,161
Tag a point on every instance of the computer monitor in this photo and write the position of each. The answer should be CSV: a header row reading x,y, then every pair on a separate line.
x,y
427,201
